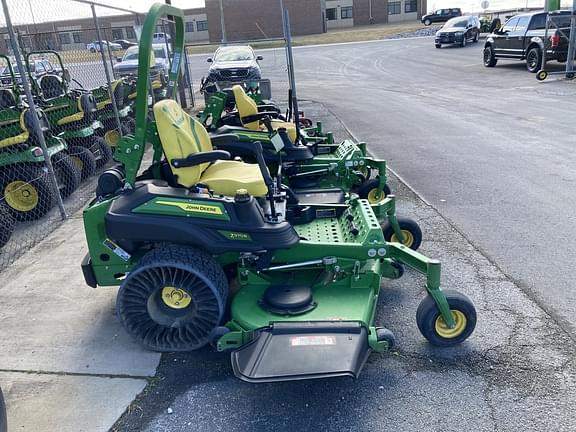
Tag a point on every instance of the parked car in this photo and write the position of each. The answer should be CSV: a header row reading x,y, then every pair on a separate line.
x,y
458,31
234,63
441,15
98,45
125,44
128,65
161,38
522,37
38,68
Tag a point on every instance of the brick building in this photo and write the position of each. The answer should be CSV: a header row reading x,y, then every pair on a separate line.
x,y
243,20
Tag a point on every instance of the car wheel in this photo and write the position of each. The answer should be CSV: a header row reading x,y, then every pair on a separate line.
x,y
464,41
476,36
92,50
489,57
427,22
534,59
438,45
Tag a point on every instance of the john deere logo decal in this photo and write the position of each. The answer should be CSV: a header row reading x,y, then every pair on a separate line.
x,y
182,207
195,208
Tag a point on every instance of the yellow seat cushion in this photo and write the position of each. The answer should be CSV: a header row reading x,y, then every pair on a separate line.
x,y
182,135
226,177
13,140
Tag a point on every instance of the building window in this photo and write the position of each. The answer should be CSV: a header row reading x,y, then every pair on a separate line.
x,y
117,33
130,33
202,25
411,6
77,37
64,38
394,7
189,26
331,14
346,12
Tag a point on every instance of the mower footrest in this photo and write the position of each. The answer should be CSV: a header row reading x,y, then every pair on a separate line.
x,y
303,350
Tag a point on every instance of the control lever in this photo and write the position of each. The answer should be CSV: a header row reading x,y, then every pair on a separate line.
x,y
266,175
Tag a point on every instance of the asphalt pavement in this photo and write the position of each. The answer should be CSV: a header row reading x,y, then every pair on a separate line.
x,y
516,372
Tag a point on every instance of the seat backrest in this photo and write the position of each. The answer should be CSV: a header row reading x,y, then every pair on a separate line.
x,y
52,86
245,106
87,104
181,136
7,98
26,121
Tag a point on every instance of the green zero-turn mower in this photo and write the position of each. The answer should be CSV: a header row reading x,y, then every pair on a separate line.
x,y
215,259
25,187
313,172
73,115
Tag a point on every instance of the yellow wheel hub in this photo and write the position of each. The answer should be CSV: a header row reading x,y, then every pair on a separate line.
x,y
78,162
375,196
408,238
176,298
21,196
112,137
446,332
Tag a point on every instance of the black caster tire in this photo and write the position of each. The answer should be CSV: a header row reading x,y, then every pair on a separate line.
x,y
84,159
398,267
101,151
432,326
173,300
369,190
541,75
27,191
385,335
68,175
410,230
7,225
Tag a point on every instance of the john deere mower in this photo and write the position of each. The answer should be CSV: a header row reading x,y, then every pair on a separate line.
x,y
314,172
24,184
215,258
73,115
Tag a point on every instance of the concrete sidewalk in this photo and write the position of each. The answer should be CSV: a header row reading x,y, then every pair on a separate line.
x,y
65,362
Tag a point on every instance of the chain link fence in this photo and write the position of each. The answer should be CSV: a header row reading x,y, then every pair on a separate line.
x,y
67,92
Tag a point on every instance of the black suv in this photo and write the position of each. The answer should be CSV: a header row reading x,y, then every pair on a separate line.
x,y
441,15
235,63
458,31
522,37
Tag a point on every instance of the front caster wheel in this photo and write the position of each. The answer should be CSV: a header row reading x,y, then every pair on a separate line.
x,y
432,325
369,190
411,233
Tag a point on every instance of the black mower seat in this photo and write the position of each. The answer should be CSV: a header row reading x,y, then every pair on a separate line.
x,y
182,136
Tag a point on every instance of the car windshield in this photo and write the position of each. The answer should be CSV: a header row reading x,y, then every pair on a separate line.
x,y
234,54
131,54
159,52
456,23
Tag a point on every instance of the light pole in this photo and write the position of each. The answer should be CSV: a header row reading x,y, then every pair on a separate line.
x,y
222,24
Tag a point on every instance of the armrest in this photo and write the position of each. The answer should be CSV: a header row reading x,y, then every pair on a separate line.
x,y
200,158
224,139
268,107
259,116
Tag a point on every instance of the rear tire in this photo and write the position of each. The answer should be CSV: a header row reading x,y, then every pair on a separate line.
x,y
84,159
173,299
102,152
27,191
534,59
489,57
68,175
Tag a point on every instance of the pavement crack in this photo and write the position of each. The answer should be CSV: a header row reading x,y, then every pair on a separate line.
x,y
79,374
